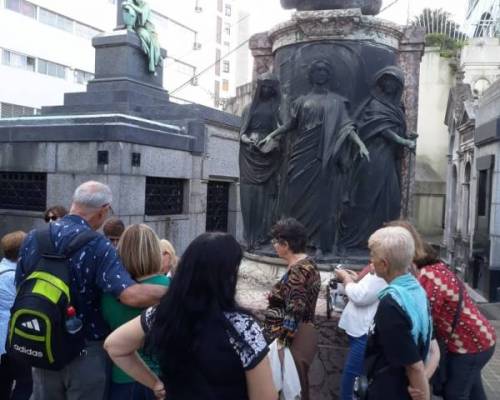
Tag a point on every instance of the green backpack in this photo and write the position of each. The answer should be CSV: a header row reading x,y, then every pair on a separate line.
x,y
37,328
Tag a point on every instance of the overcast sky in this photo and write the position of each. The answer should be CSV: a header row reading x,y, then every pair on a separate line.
x,y
267,13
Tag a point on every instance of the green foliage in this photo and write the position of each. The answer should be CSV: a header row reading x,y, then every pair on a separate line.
x,y
441,31
448,47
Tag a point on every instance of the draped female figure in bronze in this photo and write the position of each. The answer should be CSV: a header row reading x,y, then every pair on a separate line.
x,y
259,165
137,17
375,194
322,144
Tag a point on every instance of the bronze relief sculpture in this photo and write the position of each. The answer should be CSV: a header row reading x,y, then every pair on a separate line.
x,y
322,146
259,166
375,190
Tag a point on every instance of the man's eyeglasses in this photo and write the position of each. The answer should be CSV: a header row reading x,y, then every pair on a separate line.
x,y
110,209
49,218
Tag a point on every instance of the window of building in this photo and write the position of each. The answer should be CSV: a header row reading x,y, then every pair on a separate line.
x,y
51,18
8,110
23,191
216,93
466,198
227,29
226,66
482,193
225,85
22,7
197,7
52,69
219,30
17,60
82,77
55,20
218,56
228,10
164,196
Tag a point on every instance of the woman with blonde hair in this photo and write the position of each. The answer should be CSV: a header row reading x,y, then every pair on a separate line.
x,y
139,249
168,258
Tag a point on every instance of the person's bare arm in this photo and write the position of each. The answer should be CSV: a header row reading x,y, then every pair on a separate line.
x,y
433,360
260,383
419,384
122,345
143,295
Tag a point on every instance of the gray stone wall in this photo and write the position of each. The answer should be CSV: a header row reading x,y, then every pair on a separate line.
x,y
68,164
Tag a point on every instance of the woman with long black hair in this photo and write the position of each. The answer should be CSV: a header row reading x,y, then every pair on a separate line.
x,y
208,347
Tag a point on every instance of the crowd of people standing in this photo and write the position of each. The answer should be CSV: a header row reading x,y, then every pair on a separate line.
x,y
174,328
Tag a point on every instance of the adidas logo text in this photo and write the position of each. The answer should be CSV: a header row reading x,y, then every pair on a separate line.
x,y
28,352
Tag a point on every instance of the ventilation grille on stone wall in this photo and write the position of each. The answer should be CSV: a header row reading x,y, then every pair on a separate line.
x,y
164,196
217,206
23,191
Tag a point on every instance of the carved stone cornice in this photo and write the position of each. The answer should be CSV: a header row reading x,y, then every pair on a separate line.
x,y
350,24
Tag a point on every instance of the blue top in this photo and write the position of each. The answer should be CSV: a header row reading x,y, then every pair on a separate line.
x,y
411,297
7,295
95,269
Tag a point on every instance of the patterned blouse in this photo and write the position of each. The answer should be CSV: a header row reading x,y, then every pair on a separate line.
x,y
473,333
243,333
292,301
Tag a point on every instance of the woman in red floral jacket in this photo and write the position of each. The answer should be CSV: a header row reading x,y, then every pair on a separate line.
x,y
472,343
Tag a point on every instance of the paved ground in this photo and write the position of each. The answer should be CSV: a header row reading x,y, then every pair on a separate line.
x,y
491,373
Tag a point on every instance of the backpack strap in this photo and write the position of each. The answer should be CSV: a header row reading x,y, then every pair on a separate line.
x,y
45,244
47,249
80,240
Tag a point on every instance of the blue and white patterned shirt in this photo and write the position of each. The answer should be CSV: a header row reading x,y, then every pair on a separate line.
x,y
7,296
95,269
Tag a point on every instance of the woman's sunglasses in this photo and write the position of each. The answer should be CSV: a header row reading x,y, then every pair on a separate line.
x,y
49,218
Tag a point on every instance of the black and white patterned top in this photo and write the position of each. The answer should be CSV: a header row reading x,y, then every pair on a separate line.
x,y
246,338
243,333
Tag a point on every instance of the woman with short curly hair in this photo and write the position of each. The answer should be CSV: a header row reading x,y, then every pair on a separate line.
x,y
289,317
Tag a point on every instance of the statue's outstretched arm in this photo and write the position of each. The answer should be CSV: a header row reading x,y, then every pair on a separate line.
x,y
286,127
391,135
363,151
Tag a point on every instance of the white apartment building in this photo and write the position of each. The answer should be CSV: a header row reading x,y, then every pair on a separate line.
x,y
482,18
46,49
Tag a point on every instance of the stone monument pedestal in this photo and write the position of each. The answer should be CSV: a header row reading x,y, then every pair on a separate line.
x,y
161,159
122,81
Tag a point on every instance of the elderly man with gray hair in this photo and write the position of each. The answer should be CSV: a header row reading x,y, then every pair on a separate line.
x,y
95,268
400,336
